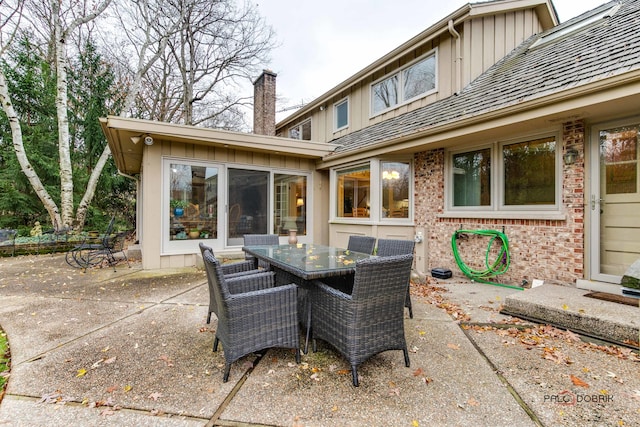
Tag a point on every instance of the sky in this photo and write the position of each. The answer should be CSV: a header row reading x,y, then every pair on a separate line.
x,y
322,43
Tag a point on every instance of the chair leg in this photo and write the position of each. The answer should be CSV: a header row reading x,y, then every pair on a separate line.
x,y
406,357
407,303
209,318
215,343
297,355
354,374
227,369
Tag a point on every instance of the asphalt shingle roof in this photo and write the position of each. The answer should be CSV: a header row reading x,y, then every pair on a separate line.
x,y
604,49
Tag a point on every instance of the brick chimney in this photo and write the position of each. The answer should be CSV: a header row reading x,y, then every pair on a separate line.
x,y
264,104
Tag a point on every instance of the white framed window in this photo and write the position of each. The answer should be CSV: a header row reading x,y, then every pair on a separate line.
x,y
301,131
341,114
380,190
512,176
411,82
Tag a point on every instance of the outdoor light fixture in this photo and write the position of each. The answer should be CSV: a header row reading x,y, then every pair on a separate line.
x,y
570,156
135,139
148,140
299,202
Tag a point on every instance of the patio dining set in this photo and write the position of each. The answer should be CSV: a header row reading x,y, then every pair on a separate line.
x,y
352,298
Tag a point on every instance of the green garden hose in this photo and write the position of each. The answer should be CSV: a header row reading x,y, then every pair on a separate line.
x,y
493,269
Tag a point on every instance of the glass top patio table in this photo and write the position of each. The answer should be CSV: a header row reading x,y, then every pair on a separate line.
x,y
308,260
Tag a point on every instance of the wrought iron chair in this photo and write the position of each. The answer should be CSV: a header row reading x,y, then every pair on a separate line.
x,y
388,247
258,240
371,319
230,271
255,318
364,244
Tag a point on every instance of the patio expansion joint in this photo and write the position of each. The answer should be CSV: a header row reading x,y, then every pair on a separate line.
x,y
501,377
76,404
137,312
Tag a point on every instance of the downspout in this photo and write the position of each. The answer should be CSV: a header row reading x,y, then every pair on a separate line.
x,y
458,72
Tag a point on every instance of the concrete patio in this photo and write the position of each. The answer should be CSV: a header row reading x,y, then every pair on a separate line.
x,y
131,347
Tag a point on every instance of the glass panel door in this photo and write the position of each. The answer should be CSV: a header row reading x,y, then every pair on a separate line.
x,y
615,203
248,204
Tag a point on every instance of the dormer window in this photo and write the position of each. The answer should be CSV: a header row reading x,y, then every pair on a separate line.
x,y
414,81
301,131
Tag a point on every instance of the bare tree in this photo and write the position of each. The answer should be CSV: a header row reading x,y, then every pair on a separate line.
x,y
217,47
58,22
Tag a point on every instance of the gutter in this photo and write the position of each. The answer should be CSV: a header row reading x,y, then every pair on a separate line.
x,y
458,75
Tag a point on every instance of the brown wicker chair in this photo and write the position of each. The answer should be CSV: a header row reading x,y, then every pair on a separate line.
x,y
257,318
388,247
371,319
364,244
230,271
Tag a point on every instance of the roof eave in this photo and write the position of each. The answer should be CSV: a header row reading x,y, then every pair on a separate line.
x,y
545,10
493,119
119,130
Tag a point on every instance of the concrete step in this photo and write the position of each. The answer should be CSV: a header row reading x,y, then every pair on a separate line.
x,y
568,308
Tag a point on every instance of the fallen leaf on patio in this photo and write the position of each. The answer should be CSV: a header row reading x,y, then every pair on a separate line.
x,y
127,388
427,380
106,412
578,382
81,373
156,412
453,346
473,402
565,307
271,371
414,349
418,372
166,360
104,350
344,372
315,377
314,369
291,365
395,391
109,360
112,389
414,423
155,396
334,408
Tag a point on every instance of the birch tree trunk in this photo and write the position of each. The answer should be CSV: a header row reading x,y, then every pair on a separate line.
x,y
18,147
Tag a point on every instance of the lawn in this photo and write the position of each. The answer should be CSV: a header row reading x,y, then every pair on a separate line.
x,y
4,362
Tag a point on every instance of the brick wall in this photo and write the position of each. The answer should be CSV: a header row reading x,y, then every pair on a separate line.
x,y
264,104
551,250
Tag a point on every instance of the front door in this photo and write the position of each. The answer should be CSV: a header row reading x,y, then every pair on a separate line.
x,y
615,201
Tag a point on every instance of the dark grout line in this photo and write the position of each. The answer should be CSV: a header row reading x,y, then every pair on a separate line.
x,y
215,419
75,403
502,379
137,312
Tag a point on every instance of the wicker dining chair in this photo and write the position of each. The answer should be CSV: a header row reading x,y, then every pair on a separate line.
x,y
371,319
255,318
259,240
388,247
230,271
364,244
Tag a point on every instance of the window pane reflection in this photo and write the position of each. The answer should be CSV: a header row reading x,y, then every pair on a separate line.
x,y
530,172
290,204
193,202
395,190
353,192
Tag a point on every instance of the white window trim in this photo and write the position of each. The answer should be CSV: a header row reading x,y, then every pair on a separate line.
x,y
375,193
398,72
178,247
299,127
335,115
497,208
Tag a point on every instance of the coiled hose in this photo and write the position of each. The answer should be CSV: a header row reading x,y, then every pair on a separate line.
x,y
492,269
